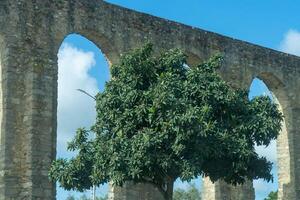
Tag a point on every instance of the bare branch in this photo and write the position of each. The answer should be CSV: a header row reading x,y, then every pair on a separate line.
x,y
80,90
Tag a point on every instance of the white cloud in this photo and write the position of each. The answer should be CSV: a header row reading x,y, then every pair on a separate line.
x,y
263,188
269,152
74,108
185,184
291,42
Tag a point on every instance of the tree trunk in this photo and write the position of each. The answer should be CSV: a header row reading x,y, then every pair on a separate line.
x,y
168,194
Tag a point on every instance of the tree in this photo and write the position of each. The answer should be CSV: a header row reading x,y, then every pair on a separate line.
x,y
159,120
192,193
272,196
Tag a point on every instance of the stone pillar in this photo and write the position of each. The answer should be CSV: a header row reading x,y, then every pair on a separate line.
x,y
209,190
28,138
131,191
222,191
286,190
3,64
294,130
289,155
288,150
29,88
237,78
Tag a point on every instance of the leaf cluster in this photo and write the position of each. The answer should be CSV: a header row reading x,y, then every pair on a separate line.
x,y
272,196
159,119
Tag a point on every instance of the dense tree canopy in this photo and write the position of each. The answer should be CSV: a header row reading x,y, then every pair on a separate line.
x,y
159,120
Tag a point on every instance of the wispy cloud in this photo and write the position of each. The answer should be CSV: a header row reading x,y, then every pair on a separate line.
x,y
74,108
291,42
269,152
263,188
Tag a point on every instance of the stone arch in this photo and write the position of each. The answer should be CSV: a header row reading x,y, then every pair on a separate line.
x,y
272,81
276,85
97,39
97,50
102,42
29,113
284,141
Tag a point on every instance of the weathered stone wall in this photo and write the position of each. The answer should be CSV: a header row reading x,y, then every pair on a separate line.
x,y
30,36
222,191
29,77
131,191
2,58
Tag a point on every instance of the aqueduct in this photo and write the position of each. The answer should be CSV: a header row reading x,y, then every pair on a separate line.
x,y
30,35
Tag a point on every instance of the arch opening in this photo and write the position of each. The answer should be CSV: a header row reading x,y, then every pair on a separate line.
x,y
278,149
81,65
191,189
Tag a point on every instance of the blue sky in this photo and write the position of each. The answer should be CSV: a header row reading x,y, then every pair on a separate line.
x,y
270,23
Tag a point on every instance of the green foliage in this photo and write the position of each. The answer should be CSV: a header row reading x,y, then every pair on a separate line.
x,y
159,120
192,193
272,196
